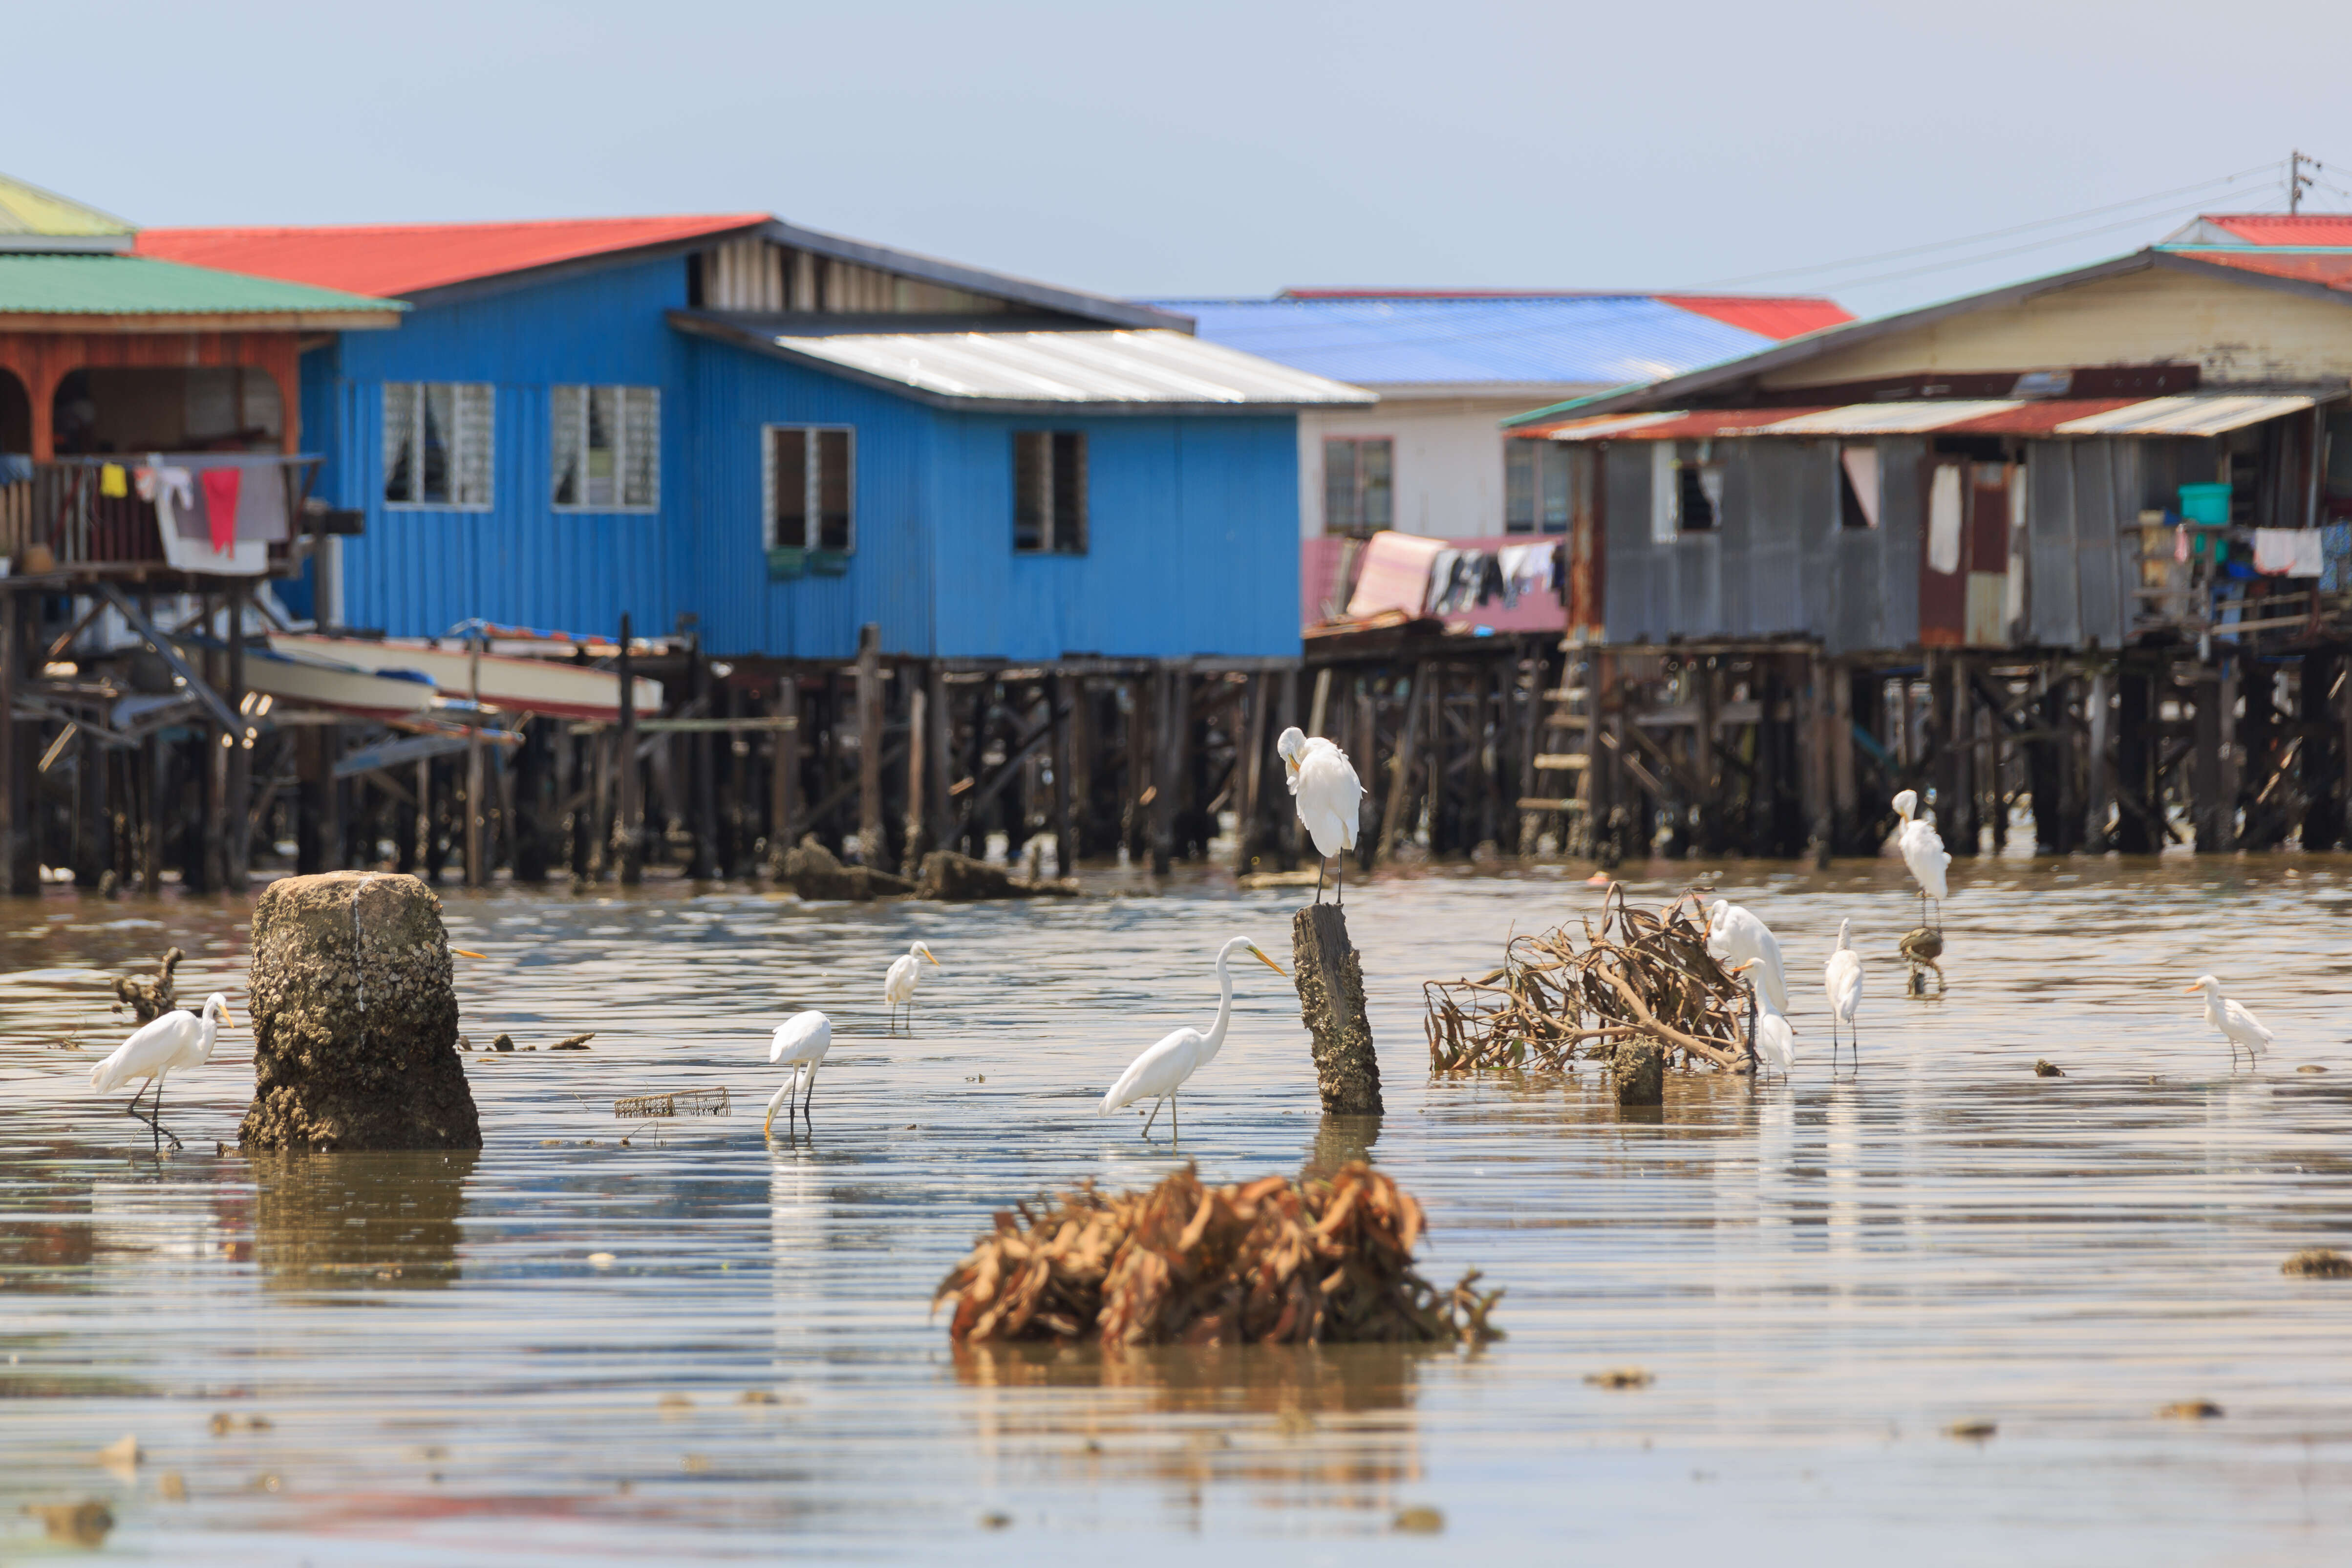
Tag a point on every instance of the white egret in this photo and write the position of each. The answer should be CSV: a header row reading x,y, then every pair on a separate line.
x,y
899,984
1841,978
1736,938
800,1042
2236,1024
173,1040
1922,848
1330,800
1776,1042
1159,1072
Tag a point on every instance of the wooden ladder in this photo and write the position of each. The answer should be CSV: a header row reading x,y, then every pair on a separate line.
x,y
1564,755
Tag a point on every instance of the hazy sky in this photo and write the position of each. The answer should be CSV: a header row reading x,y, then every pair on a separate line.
x,y
1220,148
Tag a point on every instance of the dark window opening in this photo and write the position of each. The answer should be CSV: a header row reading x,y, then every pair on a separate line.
x,y
1049,492
1358,485
1698,486
810,483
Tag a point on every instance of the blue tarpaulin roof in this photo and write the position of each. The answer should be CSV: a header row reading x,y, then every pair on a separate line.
x,y
1602,340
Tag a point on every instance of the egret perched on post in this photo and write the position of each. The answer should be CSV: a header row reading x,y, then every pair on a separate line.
x,y
899,984
2236,1024
1736,938
1330,800
1159,1072
800,1042
174,1040
1922,848
1841,978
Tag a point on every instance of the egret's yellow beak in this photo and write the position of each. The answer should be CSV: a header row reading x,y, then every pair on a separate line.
x,y
928,959
1270,963
461,953
2187,989
1291,763
768,1127
228,1019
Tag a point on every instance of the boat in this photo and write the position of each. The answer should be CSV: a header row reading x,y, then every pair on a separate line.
x,y
508,684
317,684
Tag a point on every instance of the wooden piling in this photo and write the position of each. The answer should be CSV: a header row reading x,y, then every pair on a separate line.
x,y
628,821
869,743
1060,700
1393,820
2322,760
1331,980
236,808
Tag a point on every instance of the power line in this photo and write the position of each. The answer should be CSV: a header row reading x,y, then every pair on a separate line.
x,y
1993,233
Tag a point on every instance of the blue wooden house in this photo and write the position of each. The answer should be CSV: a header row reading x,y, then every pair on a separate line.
x,y
785,436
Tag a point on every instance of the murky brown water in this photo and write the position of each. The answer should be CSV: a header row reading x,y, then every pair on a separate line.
x,y
1821,1275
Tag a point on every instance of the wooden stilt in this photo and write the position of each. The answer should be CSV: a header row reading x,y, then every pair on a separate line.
x,y
869,744
1061,694
628,821
2323,749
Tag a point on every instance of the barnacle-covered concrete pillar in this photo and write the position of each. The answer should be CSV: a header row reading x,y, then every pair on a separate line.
x,y
354,1019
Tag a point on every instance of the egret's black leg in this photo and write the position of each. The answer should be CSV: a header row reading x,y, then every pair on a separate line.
x,y
809,1098
1175,1123
1319,878
1154,1116
1340,880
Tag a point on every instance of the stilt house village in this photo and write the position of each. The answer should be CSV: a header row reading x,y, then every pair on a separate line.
x,y
518,549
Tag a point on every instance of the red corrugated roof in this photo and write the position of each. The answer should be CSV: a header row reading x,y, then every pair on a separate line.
x,y
1784,316
2285,228
389,260
2334,271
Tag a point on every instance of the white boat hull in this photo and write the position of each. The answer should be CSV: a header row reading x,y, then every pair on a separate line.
x,y
513,685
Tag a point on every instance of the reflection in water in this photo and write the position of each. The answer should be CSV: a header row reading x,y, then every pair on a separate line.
x,y
336,1221
800,1230
1339,1140
1300,1427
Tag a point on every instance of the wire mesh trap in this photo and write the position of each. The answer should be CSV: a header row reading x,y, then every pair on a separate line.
x,y
677,1102
1638,974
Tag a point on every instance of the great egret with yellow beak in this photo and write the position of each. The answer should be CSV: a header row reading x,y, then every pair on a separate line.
x,y
1159,1072
800,1043
173,1040
1330,799
1922,848
1842,979
899,984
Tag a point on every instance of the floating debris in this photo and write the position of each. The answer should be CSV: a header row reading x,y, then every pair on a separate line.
x,y
1654,978
1419,1522
1272,1261
1621,1377
2318,1263
995,1520
2191,1410
680,1102
1971,1431
573,1042
121,1455
2048,1070
600,1260
172,1487
758,1396
2311,1066
82,1523
150,996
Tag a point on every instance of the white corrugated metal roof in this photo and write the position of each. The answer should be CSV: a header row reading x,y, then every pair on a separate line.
x,y
2203,415
1127,367
1887,419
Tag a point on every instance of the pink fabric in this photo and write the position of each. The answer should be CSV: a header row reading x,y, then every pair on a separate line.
x,y
221,485
1395,574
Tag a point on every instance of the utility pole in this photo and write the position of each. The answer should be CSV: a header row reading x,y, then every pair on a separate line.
x,y
2297,178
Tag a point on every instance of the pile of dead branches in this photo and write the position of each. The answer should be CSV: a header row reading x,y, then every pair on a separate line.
x,y
1272,1262
1638,974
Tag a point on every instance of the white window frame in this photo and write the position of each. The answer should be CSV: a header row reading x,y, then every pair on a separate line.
x,y
1360,529
570,403
460,459
812,478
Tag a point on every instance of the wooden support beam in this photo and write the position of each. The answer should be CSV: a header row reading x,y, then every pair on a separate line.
x,y
236,849
628,820
1401,765
869,743
15,751
1060,702
785,774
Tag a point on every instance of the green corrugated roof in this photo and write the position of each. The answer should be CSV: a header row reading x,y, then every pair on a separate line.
x,y
136,285
28,210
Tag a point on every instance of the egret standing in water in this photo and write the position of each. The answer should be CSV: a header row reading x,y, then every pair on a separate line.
x,y
1922,848
800,1042
1330,800
2236,1024
1159,1072
899,984
1776,1042
1841,978
1736,938
173,1040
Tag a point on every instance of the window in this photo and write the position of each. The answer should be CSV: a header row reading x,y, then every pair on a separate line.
x,y
811,496
1685,489
607,446
1358,485
1049,492
1535,486
1858,486
436,444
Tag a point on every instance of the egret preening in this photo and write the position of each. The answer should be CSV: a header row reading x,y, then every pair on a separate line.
x,y
1841,978
2236,1024
1330,800
1159,1072
1776,1042
173,1040
801,1041
1736,938
899,984
1922,848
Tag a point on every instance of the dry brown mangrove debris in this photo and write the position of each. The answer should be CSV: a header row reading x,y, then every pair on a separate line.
x,y
2318,1263
2190,1410
79,1523
2048,1070
149,997
1274,1261
677,1102
1621,1377
1557,996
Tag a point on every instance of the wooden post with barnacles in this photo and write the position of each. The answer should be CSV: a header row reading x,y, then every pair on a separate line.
x,y
1330,979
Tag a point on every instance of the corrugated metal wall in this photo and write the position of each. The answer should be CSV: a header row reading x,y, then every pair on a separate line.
x,y
2078,576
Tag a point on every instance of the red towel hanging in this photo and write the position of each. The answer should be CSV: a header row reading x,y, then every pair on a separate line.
x,y
221,485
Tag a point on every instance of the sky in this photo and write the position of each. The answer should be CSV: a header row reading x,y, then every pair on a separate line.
x,y
1221,149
